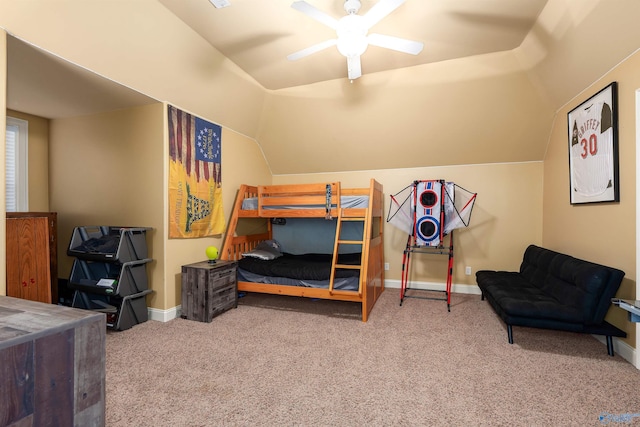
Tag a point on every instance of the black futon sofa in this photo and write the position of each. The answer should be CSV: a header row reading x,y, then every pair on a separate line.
x,y
554,291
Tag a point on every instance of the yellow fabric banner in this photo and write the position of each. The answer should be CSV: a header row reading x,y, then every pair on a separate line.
x,y
195,176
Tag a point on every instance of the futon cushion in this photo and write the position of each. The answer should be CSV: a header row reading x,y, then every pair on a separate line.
x,y
517,297
551,286
570,281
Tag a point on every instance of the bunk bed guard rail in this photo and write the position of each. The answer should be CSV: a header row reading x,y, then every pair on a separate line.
x,y
313,200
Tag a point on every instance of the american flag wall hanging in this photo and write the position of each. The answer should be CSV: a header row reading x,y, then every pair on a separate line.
x,y
195,176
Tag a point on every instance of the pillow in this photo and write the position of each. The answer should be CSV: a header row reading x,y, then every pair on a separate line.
x,y
267,250
272,243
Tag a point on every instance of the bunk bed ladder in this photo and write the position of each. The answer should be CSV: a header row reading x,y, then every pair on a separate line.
x,y
339,241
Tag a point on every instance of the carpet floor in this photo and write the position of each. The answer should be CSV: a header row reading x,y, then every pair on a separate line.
x,y
285,361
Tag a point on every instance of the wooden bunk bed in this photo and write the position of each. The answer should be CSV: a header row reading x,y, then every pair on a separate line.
x,y
329,201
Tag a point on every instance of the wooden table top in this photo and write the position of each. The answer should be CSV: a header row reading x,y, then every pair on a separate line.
x,y
22,320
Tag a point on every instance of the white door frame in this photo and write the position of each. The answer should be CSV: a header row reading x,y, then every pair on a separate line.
x,y
636,360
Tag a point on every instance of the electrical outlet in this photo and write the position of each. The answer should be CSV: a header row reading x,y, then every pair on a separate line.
x,y
386,266
467,271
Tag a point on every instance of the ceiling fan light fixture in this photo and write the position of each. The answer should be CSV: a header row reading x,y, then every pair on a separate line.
x,y
220,3
352,36
352,45
352,6
352,39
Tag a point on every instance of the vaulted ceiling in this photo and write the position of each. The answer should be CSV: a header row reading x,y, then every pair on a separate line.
x,y
258,35
563,50
45,85
500,67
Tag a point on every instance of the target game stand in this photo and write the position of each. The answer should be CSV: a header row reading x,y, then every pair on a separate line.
x,y
412,248
432,210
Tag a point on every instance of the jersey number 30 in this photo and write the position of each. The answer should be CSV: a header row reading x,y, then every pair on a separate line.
x,y
589,147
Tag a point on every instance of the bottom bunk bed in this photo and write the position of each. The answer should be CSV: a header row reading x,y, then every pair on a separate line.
x,y
351,270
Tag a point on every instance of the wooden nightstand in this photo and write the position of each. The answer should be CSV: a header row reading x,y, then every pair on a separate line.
x,y
208,289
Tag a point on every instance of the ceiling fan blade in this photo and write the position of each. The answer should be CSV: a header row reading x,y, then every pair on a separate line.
x,y
353,67
379,11
312,12
395,43
312,49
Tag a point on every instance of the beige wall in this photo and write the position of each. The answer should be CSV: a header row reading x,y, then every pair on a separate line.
x,y
468,111
38,160
106,169
506,218
603,232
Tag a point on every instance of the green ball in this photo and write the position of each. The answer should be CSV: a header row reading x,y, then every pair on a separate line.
x,y
212,252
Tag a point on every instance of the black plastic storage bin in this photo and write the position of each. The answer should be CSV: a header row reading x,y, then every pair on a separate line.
x,y
109,243
109,273
133,310
109,278
122,313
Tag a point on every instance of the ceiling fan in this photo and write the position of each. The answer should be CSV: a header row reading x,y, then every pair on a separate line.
x,y
352,39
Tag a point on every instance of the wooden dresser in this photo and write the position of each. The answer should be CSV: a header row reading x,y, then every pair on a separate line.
x,y
53,365
32,258
208,289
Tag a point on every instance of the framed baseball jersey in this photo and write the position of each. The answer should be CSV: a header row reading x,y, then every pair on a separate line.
x,y
593,148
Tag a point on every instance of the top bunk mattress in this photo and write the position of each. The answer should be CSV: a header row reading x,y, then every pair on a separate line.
x,y
348,202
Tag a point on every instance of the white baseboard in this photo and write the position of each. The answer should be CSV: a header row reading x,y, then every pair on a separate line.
x,y
433,286
621,348
165,315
